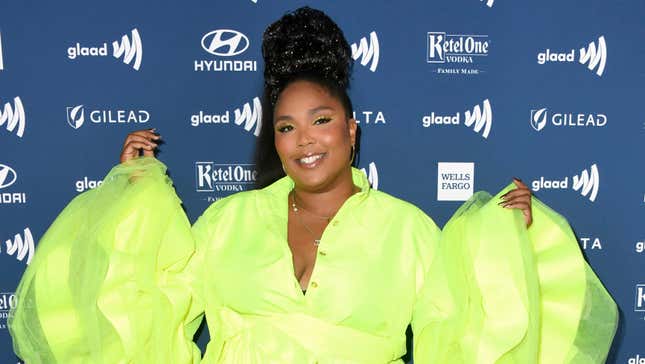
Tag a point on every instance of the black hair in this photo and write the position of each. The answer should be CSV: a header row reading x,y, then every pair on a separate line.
x,y
306,45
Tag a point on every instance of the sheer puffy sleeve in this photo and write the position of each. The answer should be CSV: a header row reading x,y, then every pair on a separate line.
x,y
497,292
110,280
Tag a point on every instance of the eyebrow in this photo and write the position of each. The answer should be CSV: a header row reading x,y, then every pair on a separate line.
x,y
313,111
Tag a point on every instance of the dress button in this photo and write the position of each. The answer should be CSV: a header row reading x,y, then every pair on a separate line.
x,y
335,223
322,252
314,285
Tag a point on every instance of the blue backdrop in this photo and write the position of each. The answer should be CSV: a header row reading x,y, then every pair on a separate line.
x,y
451,96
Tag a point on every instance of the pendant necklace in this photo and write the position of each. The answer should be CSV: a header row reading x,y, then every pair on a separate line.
x,y
295,209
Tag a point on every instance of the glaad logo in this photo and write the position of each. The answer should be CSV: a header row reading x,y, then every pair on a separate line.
x,y
539,119
636,359
130,48
640,246
463,50
21,247
76,116
587,183
369,117
455,181
489,3
248,116
8,177
480,119
7,303
372,175
87,184
594,56
213,177
367,52
639,305
14,117
225,43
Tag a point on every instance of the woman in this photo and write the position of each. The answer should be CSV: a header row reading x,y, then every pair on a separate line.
x,y
314,268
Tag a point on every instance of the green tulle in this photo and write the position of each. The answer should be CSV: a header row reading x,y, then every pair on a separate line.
x,y
109,284
105,285
507,294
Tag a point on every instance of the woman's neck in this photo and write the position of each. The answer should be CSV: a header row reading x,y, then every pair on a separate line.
x,y
324,203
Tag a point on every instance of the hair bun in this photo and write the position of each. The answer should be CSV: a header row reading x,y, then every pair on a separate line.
x,y
305,41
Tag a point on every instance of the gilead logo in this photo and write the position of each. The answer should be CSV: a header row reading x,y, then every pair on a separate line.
x,y
540,118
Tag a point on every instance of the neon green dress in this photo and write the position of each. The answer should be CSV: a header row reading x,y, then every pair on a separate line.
x,y
120,278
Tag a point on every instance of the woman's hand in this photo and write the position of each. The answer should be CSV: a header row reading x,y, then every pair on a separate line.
x,y
519,198
137,141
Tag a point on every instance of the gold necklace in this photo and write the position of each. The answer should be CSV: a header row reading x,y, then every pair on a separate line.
x,y
295,209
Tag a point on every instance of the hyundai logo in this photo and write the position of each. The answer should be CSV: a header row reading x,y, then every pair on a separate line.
x,y
225,42
7,176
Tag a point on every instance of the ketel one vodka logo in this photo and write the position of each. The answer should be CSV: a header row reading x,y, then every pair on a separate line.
x,y
587,183
78,115
12,117
594,56
457,53
479,119
7,303
129,48
214,177
367,51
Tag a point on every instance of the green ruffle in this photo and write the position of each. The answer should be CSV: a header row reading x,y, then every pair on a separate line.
x,y
105,284
507,294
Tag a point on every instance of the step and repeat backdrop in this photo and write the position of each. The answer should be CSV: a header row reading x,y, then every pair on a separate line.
x,y
452,96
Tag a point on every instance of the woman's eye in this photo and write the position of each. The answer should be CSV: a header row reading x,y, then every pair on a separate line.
x,y
285,128
323,120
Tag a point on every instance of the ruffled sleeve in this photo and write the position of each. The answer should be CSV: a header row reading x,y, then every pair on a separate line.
x,y
497,292
110,280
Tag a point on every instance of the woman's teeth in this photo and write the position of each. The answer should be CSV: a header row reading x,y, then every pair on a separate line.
x,y
310,159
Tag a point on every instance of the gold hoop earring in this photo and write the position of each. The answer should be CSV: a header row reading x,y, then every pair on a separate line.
x,y
351,161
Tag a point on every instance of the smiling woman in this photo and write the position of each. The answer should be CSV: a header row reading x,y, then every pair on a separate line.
x,y
313,266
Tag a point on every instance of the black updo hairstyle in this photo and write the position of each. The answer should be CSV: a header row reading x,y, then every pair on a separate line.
x,y
302,45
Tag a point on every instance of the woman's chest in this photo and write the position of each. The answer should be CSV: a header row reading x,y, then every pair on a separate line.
x,y
357,276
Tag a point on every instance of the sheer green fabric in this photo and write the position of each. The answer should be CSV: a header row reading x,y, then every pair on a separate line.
x,y
106,284
120,278
501,293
